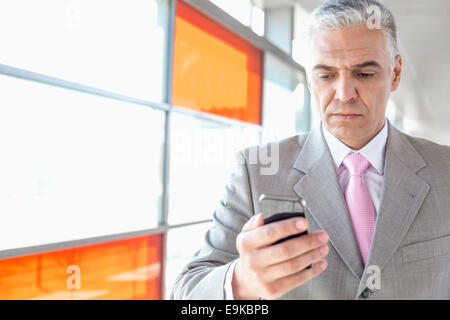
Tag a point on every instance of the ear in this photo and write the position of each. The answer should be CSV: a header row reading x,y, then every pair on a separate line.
x,y
397,72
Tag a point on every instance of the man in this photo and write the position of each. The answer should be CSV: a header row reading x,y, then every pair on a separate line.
x,y
377,200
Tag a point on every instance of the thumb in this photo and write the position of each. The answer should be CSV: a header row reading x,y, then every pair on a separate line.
x,y
255,222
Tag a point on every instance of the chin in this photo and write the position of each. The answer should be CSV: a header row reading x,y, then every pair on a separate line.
x,y
347,133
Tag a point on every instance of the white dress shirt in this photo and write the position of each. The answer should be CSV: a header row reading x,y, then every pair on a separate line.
x,y
374,152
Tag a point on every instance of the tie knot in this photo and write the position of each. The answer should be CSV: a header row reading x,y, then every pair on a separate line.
x,y
356,164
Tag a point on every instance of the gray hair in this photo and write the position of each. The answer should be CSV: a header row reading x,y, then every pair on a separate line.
x,y
336,14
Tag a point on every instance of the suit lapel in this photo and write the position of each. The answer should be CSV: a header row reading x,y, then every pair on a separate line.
x,y
324,199
402,197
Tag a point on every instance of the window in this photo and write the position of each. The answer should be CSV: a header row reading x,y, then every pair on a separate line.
x,y
84,100
258,20
283,100
85,165
106,44
245,12
201,157
241,10
120,269
182,243
214,70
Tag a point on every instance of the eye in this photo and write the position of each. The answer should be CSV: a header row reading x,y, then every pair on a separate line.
x,y
365,75
325,76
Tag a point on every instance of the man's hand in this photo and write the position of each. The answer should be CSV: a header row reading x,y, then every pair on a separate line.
x,y
270,271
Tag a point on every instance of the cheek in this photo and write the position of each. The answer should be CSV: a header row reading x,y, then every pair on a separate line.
x,y
375,98
323,95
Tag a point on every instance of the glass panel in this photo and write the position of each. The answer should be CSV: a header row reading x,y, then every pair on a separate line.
x,y
201,157
241,10
315,114
77,165
182,244
300,47
120,269
392,112
258,20
283,101
214,70
107,44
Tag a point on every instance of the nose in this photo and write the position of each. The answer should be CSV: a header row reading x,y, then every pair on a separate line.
x,y
345,89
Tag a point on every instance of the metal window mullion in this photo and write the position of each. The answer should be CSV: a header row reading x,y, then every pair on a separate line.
x,y
163,218
214,118
65,84
9,253
164,212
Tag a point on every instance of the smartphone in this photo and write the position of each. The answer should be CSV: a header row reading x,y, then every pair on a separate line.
x,y
277,208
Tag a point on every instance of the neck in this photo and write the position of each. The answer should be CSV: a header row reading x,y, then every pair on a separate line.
x,y
359,144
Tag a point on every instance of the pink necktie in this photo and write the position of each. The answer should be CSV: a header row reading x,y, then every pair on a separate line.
x,y
359,202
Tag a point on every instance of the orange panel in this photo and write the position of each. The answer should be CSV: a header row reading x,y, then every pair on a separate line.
x,y
122,269
213,69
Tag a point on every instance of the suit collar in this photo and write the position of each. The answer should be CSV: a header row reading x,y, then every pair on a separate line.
x,y
397,142
399,145
374,151
313,150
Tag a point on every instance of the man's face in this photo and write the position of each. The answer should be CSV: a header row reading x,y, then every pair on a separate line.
x,y
350,77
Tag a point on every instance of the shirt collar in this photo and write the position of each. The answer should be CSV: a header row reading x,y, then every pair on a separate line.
x,y
374,151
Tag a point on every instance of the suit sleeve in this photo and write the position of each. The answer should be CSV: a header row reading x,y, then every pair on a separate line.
x,y
204,276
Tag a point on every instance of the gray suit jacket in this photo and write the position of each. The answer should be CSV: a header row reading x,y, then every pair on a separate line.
x,y
411,244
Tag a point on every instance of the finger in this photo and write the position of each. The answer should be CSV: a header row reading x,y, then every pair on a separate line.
x,y
292,248
253,223
294,265
266,235
286,284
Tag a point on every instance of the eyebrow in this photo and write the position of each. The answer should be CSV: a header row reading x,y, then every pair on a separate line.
x,y
355,66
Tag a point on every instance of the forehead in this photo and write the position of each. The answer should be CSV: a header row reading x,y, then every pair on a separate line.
x,y
349,45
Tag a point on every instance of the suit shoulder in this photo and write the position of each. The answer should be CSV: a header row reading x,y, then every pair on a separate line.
x,y
434,154
287,147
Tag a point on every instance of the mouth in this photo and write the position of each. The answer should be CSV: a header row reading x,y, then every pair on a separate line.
x,y
347,116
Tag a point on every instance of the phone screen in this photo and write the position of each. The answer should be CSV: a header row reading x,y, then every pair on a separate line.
x,y
277,208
